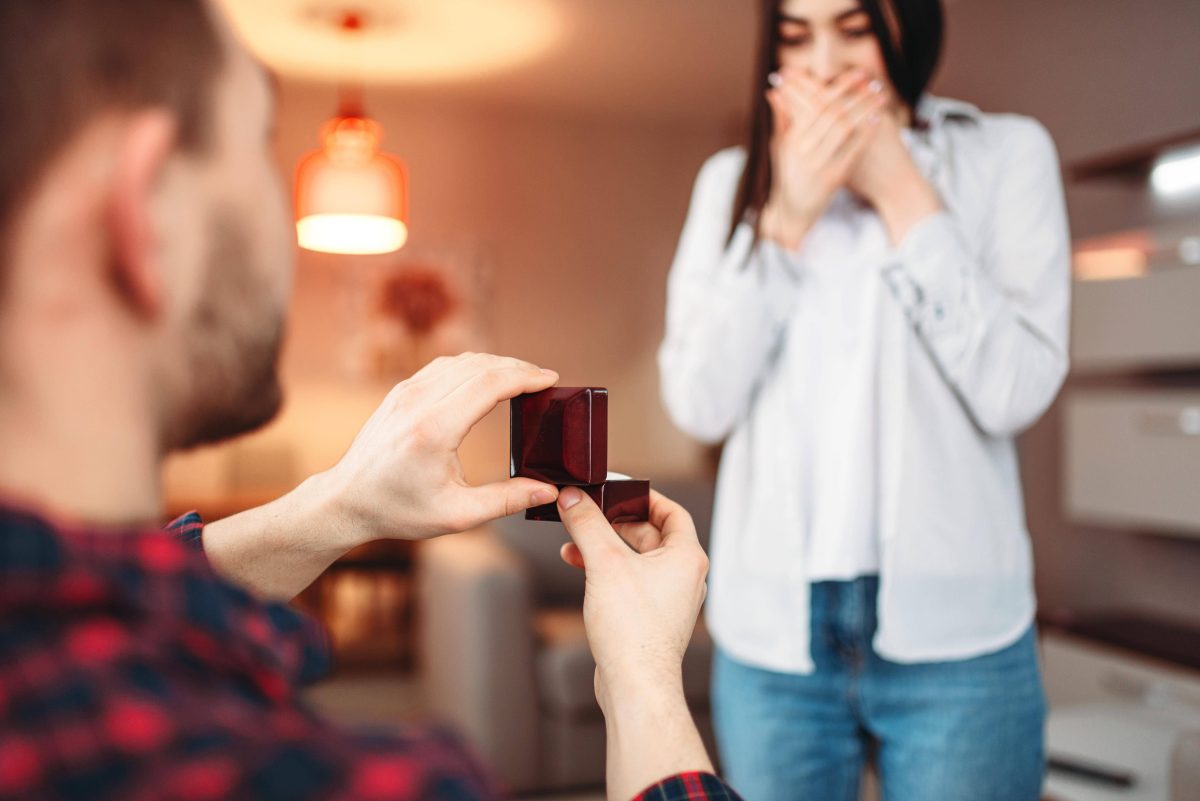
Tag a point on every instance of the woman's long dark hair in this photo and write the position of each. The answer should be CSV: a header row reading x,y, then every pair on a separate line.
x,y
910,37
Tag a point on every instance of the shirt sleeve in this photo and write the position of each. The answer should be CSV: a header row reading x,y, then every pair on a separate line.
x,y
689,787
188,529
995,318
727,305
296,760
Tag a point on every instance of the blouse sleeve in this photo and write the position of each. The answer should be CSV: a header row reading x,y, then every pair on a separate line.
x,y
727,305
996,320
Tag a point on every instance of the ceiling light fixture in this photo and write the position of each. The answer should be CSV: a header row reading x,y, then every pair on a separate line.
x,y
351,196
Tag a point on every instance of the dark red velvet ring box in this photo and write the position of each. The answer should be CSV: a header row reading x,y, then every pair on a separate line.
x,y
560,436
622,501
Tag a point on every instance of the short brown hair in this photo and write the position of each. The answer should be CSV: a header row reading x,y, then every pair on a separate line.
x,y
64,61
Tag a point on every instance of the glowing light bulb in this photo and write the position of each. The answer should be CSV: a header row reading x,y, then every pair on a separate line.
x,y
351,197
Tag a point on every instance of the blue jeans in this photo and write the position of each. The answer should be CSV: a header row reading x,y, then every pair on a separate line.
x,y
936,731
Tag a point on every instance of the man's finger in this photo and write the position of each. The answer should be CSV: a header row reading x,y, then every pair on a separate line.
x,y
466,367
672,520
475,506
438,376
481,391
571,555
641,537
590,531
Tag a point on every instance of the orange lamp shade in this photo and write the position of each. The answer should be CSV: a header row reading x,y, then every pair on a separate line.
x,y
351,197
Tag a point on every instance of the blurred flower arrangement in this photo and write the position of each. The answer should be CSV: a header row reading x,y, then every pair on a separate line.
x,y
412,309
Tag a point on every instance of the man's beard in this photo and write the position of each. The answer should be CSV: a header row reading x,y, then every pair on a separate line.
x,y
232,348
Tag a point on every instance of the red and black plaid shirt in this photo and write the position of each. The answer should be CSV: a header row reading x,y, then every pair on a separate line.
x,y
129,670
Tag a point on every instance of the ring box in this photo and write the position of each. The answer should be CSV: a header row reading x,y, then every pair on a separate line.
x,y
560,436
622,501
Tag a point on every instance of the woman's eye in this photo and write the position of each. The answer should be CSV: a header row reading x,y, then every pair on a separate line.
x,y
857,33
792,35
793,41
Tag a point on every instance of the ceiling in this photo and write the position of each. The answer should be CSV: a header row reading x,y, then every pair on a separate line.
x,y
656,59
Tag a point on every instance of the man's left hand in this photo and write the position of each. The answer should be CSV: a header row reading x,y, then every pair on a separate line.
x,y
402,476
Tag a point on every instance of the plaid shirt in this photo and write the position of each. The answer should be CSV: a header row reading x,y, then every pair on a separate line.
x,y
129,670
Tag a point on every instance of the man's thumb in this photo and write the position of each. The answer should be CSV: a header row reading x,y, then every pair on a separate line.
x,y
587,525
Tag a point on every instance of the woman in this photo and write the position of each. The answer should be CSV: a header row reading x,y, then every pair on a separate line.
x,y
869,302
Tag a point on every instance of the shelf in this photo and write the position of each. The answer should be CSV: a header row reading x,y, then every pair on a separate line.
x,y
1131,163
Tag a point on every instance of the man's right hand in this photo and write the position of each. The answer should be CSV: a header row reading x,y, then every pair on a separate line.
x,y
643,590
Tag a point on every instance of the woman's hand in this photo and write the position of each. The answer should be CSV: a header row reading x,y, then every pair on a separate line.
x,y
886,177
819,135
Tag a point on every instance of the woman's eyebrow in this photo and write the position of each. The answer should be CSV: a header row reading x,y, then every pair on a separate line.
x,y
844,15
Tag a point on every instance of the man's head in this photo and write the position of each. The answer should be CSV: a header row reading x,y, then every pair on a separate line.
x,y
138,201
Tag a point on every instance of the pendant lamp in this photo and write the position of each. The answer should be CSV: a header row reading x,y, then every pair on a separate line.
x,y
351,197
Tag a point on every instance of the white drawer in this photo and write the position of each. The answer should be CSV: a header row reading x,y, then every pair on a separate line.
x,y
1132,458
1137,323
1080,671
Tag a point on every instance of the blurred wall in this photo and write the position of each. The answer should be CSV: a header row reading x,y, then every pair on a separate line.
x,y
574,217
1102,75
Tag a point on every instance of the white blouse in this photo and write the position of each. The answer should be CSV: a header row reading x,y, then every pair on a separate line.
x,y
906,448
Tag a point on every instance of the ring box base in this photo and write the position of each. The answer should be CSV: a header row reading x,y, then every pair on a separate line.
x,y
622,501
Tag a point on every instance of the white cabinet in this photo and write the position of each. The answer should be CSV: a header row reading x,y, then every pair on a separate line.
x,y
1133,459
1111,708
1151,322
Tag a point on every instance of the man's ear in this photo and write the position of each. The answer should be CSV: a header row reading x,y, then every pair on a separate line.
x,y
143,150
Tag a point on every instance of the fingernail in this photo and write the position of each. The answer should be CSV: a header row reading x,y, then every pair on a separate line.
x,y
876,86
775,79
541,497
549,372
569,497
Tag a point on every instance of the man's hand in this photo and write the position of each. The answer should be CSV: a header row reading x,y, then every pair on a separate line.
x,y
401,478
643,591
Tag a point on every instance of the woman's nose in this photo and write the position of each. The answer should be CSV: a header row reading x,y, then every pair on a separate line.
x,y
826,63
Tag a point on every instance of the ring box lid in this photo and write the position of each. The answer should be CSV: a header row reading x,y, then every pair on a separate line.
x,y
560,436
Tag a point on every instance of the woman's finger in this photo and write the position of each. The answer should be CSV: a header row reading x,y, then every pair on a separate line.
x,y
823,95
781,120
853,120
854,147
801,108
